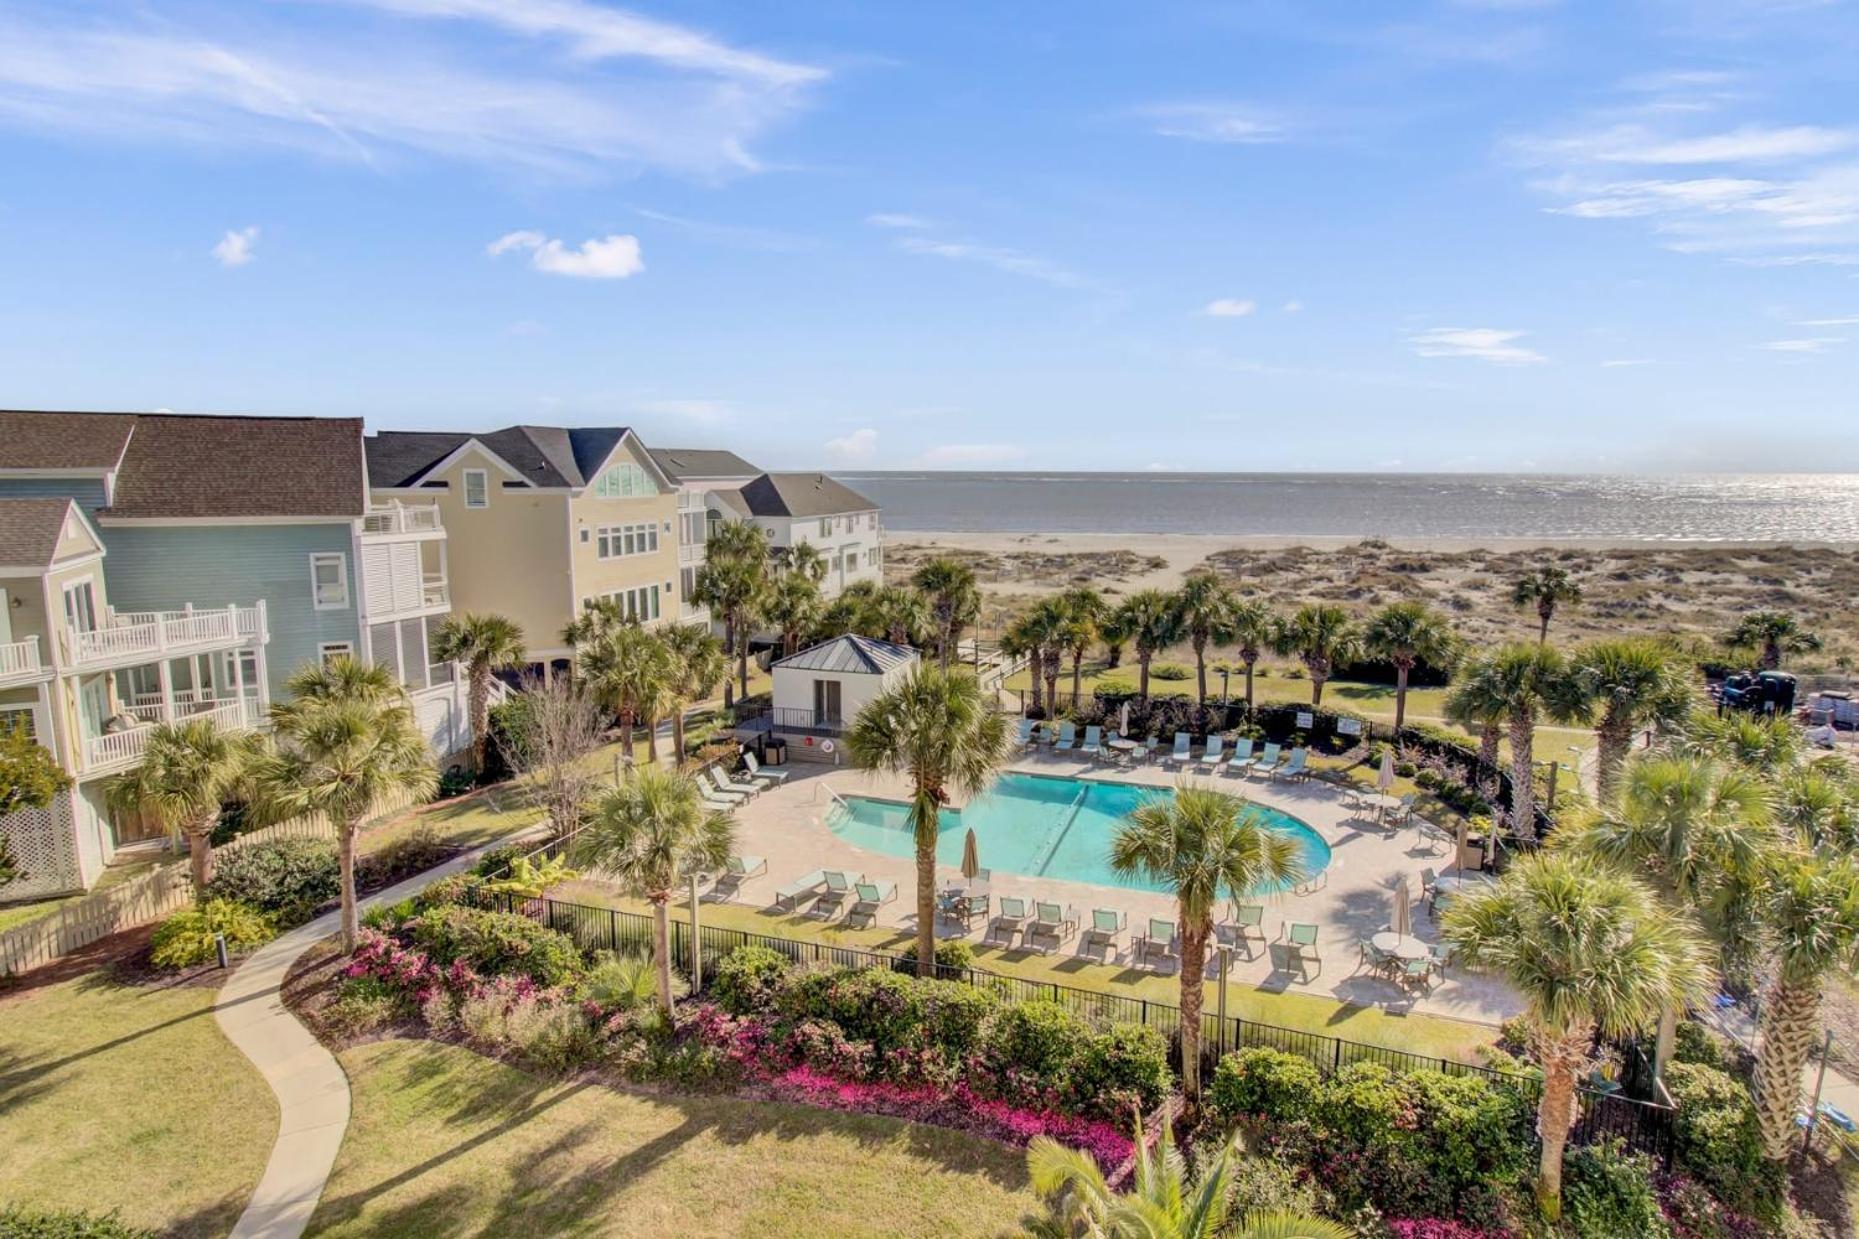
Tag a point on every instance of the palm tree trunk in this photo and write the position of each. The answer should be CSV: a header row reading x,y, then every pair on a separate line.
x,y
651,740
1771,654
1200,671
729,643
1522,777
1038,681
1563,1058
1488,762
945,642
351,918
1193,959
1319,676
1052,680
626,736
677,737
1077,673
480,706
1400,699
1543,611
1613,740
1251,664
1790,1021
200,848
742,657
1113,655
925,812
1142,683
661,947
1663,1041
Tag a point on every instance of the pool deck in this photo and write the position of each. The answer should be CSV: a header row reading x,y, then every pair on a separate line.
x,y
1354,900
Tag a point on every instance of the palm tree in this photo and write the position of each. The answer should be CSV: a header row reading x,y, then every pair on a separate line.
x,y
732,583
1049,627
954,600
1202,844
938,728
806,560
1203,613
1320,635
632,672
1406,634
348,742
1253,626
1477,704
698,666
1769,745
1702,832
1775,633
1635,684
188,772
1588,948
485,644
1164,1201
1018,640
1531,682
647,833
1114,629
794,606
1085,612
1149,616
898,615
1546,589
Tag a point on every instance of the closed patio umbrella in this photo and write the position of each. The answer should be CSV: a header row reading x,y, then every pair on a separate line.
x,y
971,859
1123,720
1384,778
1403,923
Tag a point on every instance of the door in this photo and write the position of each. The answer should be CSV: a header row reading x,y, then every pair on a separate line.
x,y
81,607
825,702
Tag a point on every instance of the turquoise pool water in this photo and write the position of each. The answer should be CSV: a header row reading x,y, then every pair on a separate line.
x,y
1038,826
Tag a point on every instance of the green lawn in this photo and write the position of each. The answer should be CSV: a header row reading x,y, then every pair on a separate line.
x,y
1419,1034
468,821
127,1097
446,1142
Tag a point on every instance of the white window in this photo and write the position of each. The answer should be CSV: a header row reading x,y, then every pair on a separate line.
x,y
477,488
625,482
871,520
23,718
826,526
636,604
618,540
81,606
329,651
329,580
871,558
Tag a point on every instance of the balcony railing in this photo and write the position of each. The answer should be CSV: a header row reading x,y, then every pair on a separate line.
x,y
20,659
155,634
125,748
435,591
401,518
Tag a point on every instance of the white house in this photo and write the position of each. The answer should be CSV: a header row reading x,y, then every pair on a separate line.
x,y
820,690
817,510
698,472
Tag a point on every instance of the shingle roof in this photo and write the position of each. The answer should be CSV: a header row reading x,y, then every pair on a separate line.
x,y
63,440
545,455
30,529
181,466
859,655
680,463
802,494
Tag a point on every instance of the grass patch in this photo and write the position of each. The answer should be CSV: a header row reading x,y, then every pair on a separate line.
x,y
445,1142
1416,1033
467,822
113,875
116,1096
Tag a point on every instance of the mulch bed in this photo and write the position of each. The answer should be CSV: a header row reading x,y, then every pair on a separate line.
x,y
123,957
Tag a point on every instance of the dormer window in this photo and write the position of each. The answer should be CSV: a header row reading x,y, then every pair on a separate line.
x,y
477,488
625,482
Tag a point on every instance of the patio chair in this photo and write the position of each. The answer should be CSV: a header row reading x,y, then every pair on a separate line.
x,y
1068,735
1266,760
1216,745
1372,955
1248,919
1049,920
1160,940
1242,753
788,898
719,793
871,897
1012,916
1399,815
1093,741
1417,972
1179,757
1302,939
1023,732
1106,924
756,772
838,889
725,783
1294,767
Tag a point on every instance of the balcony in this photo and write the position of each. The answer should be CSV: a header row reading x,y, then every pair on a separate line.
x,y
19,662
118,750
404,579
142,636
401,518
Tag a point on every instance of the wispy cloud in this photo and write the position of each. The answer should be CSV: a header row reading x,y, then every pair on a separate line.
x,y
1621,363
235,248
1815,344
1641,144
971,455
1477,343
894,219
1236,123
1229,307
1001,258
1292,307
598,258
736,236
858,448
1849,320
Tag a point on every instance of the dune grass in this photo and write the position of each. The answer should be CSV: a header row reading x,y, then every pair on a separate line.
x,y
444,1141
127,1097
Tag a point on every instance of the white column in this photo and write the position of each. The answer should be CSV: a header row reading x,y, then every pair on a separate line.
x,y
165,671
238,682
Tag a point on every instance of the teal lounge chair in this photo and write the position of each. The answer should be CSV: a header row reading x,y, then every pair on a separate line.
x,y
1093,741
756,772
1049,920
1242,753
726,784
1248,920
1179,757
788,897
871,897
742,868
1012,917
1216,745
1106,924
1160,940
838,890
1023,733
1068,735
1293,767
1267,759
718,793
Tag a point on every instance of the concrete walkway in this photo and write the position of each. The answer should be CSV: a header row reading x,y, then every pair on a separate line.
x,y
312,1091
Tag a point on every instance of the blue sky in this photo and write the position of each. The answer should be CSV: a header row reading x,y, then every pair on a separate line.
x,y
1469,234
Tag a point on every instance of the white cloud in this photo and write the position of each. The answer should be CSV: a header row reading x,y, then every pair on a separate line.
x,y
1011,261
1817,344
858,448
599,258
971,455
697,412
1229,307
1641,144
1478,343
739,236
1234,123
1621,363
235,248
895,219
1851,320
1292,307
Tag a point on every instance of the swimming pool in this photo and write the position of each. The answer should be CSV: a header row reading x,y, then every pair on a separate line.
x,y
1039,826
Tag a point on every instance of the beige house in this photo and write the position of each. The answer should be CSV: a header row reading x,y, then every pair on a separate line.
x,y
541,520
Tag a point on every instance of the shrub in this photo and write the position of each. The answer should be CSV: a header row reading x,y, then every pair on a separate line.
x,y
23,1222
390,916
453,781
1471,1135
1364,1103
551,1036
1607,1192
1717,1139
416,851
1119,1069
954,1014
186,938
1264,1083
626,982
362,1005
497,944
1265,1185
1033,1042
288,877
496,862
467,889
1694,1044
879,1006
951,954
744,980
1168,671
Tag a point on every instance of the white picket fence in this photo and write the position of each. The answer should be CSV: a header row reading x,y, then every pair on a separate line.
x,y
150,897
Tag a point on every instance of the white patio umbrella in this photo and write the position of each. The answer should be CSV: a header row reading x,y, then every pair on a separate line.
x,y
1384,778
1123,720
1403,922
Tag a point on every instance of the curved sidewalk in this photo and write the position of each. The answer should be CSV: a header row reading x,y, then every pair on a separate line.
x,y
312,1091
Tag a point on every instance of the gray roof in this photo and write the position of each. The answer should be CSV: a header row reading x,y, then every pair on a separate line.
x,y
860,655
29,531
553,456
682,463
63,440
801,494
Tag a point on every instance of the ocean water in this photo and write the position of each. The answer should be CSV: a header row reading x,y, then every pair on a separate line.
x,y
1723,508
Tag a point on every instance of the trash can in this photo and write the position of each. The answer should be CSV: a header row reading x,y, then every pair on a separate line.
x,y
774,750
1472,855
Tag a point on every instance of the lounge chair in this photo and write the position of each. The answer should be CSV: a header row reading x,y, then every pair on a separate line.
x,y
1294,767
716,803
1248,919
838,890
1106,924
719,793
1093,741
788,897
1023,733
742,868
1302,939
1161,939
1216,745
1012,915
871,897
756,772
1050,920
1266,760
1068,735
1242,753
726,784
1179,757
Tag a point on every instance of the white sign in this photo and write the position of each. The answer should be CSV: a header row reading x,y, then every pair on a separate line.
x,y
1348,726
1306,720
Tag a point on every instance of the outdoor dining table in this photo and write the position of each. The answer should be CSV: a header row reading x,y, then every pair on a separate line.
x,y
1123,748
1381,802
1400,946
965,900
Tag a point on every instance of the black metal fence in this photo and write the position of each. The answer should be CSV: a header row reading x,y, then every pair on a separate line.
x,y
1645,1126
